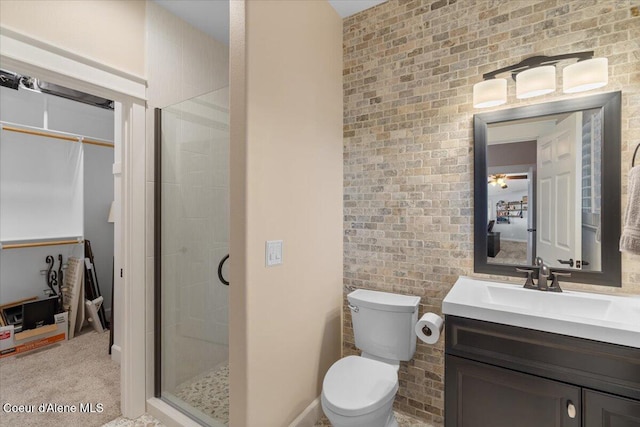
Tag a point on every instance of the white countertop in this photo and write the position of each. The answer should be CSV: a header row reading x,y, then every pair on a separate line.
x,y
606,318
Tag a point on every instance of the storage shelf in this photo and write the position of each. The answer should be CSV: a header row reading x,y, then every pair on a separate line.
x,y
511,209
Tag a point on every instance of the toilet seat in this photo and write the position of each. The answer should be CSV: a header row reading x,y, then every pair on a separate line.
x,y
355,385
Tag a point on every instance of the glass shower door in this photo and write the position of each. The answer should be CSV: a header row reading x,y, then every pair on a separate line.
x,y
192,212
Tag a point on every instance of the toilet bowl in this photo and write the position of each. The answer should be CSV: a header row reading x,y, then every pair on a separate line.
x,y
359,392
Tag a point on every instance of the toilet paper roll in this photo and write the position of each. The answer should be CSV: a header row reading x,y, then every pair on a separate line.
x,y
429,327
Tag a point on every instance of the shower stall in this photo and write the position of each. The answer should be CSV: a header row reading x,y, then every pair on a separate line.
x,y
191,250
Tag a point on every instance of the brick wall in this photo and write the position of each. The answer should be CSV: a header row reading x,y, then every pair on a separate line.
x,y
409,68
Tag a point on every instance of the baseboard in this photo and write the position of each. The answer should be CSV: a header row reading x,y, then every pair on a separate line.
x,y
116,352
310,416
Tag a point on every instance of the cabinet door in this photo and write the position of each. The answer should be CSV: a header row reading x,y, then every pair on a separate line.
x,y
481,395
606,410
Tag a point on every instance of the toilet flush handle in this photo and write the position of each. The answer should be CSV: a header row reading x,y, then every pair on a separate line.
x,y
353,307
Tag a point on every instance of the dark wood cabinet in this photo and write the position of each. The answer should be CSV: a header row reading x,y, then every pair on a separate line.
x,y
504,376
606,410
488,396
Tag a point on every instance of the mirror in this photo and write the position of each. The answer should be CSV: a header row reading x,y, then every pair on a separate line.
x,y
547,184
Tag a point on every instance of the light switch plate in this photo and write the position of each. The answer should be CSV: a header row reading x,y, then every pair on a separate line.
x,y
273,253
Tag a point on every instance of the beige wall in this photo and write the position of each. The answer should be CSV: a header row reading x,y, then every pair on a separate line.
x,y
182,62
409,69
110,32
286,184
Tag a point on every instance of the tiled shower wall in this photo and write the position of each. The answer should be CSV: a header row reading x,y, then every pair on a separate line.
x,y
409,68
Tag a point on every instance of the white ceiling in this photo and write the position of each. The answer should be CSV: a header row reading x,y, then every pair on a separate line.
x,y
513,186
212,16
523,129
349,7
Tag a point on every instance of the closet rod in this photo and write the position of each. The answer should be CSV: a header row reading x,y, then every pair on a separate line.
x,y
93,142
39,244
38,133
57,136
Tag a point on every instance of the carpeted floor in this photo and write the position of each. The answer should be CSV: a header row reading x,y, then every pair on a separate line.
x,y
70,373
511,253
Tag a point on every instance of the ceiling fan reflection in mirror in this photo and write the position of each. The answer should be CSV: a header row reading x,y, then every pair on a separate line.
x,y
501,179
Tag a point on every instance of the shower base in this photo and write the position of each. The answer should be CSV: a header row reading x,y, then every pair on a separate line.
x,y
208,393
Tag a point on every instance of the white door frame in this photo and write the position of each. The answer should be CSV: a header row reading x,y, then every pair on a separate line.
x,y
40,59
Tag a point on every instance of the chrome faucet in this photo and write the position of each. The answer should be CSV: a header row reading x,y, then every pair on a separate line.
x,y
544,273
544,276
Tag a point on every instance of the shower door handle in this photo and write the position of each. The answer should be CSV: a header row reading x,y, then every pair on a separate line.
x,y
220,265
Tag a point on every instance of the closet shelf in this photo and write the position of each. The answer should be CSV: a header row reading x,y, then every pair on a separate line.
x,y
19,244
30,130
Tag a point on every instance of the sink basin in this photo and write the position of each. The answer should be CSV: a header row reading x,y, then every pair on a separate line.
x,y
607,318
572,304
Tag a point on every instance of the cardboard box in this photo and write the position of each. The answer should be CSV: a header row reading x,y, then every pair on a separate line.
x,y
12,343
3,319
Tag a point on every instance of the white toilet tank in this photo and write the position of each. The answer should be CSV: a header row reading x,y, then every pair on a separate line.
x,y
383,323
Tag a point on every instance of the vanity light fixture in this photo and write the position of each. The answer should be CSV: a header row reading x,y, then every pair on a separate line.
x,y
536,76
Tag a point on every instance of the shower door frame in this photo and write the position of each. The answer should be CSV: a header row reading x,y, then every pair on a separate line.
x,y
157,253
176,412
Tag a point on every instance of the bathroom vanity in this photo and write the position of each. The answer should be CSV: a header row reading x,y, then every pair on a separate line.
x,y
526,358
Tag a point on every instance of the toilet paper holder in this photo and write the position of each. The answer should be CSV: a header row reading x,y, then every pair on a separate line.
x,y
429,328
426,330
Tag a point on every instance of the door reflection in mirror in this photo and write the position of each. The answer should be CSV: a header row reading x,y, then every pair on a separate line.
x,y
544,190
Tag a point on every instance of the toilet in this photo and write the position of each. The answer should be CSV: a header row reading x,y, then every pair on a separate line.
x,y
360,390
